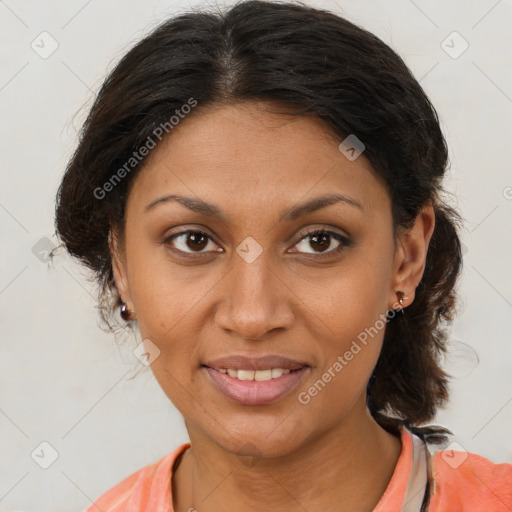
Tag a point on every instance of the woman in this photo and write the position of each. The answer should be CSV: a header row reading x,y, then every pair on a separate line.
x,y
260,192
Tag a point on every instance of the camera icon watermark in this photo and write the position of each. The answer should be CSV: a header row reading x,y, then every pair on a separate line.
x,y
351,147
146,352
454,45
250,460
44,455
44,45
249,249
454,455
42,249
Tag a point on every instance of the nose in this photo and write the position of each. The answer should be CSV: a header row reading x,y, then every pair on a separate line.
x,y
255,300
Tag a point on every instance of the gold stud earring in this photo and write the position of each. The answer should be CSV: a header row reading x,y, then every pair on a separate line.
x,y
401,297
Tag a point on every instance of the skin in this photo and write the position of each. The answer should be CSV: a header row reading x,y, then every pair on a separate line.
x,y
328,454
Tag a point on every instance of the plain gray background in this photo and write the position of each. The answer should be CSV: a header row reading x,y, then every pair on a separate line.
x,y
67,383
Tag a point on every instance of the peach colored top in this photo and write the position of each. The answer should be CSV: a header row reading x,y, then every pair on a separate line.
x,y
462,482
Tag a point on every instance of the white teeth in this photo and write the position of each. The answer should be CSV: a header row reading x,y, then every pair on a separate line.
x,y
260,375
245,375
263,375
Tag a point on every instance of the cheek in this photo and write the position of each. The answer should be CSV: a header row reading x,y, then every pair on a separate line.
x,y
164,292
349,355
170,304
348,302
352,349
350,321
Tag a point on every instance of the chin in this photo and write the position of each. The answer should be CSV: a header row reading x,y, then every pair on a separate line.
x,y
267,439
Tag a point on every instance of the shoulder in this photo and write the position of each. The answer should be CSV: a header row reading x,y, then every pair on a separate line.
x,y
465,481
146,490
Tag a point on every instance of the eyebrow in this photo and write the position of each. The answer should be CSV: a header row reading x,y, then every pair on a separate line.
x,y
288,214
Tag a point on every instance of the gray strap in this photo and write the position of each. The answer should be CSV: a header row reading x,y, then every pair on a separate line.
x,y
418,477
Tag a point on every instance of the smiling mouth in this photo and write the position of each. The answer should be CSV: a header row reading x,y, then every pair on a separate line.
x,y
255,387
258,375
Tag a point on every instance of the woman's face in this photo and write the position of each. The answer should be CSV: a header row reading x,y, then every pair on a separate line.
x,y
253,284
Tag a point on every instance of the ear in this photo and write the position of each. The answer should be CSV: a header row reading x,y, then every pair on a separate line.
x,y
118,257
410,257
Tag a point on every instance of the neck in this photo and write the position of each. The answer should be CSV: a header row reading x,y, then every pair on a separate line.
x,y
347,469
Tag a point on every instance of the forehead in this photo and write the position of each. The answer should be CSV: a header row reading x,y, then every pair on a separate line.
x,y
245,153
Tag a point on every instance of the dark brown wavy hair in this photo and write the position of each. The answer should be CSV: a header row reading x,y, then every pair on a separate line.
x,y
315,63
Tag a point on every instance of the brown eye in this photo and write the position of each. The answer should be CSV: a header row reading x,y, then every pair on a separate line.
x,y
189,241
322,241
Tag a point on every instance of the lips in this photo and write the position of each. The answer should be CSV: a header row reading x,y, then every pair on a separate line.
x,y
237,377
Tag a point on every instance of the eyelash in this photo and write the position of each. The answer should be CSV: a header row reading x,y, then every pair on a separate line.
x,y
344,242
